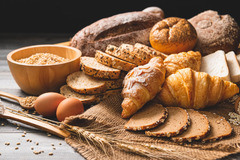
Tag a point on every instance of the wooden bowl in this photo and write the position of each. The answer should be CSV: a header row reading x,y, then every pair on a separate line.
x,y
38,79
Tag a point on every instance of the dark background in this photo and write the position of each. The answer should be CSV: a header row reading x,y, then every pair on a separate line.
x,y
69,16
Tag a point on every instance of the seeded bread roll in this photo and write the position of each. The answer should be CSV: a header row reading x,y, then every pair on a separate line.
x,y
177,121
84,84
215,32
219,127
198,129
90,66
150,116
113,62
131,27
173,35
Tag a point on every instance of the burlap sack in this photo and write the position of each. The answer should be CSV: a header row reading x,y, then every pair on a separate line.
x,y
107,114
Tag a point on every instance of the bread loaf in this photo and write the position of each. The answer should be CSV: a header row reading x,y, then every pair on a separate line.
x,y
131,27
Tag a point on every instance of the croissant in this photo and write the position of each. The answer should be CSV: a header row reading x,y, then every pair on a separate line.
x,y
197,90
182,60
141,85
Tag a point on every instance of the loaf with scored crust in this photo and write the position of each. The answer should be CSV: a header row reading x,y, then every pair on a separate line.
x,y
131,27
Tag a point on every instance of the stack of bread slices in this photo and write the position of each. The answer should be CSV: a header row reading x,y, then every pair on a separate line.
x,y
178,124
221,64
103,75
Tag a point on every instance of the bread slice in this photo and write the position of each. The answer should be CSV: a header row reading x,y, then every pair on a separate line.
x,y
124,52
146,52
198,128
89,99
85,84
215,64
90,66
150,116
67,91
176,122
233,66
113,62
219,127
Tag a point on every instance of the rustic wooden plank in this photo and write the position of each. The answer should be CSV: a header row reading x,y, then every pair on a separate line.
x,y
59,148
9,130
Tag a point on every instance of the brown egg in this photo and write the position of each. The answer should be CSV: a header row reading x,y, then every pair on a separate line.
x,y
69,107
47,103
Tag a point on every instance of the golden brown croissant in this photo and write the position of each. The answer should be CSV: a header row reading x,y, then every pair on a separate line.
x,y
141,85
190,89
182,60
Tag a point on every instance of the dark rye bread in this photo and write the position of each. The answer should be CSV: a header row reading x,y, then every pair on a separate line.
x,y
113,62
131,27
150,116
90,66
197,130
219,127
176,122
215,32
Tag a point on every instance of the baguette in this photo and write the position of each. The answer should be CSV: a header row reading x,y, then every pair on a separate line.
x,y
113,62
131,27
90,66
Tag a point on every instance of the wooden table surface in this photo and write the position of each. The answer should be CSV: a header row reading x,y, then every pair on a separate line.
x,y
10,131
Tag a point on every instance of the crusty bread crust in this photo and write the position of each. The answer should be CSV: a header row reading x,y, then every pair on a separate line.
x,y
173,35
131,27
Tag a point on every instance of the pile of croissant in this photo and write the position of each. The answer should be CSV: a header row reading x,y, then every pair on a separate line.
x,y
174,81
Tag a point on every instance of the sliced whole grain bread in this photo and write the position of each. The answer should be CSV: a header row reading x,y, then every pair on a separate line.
x,y
113,62
85,84
87,99
67,91
197,130
146,53
177,121
219,127
90,66
115,83
124,52
150,116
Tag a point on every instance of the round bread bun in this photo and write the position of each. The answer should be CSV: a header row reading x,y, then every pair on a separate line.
x,y
173,35
215,32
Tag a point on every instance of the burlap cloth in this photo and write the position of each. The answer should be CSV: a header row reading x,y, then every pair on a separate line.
x,y
108,114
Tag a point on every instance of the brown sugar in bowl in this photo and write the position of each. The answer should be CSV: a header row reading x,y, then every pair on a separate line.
x,y
37,79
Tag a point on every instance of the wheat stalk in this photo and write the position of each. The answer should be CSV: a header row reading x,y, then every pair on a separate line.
x,y
105,138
